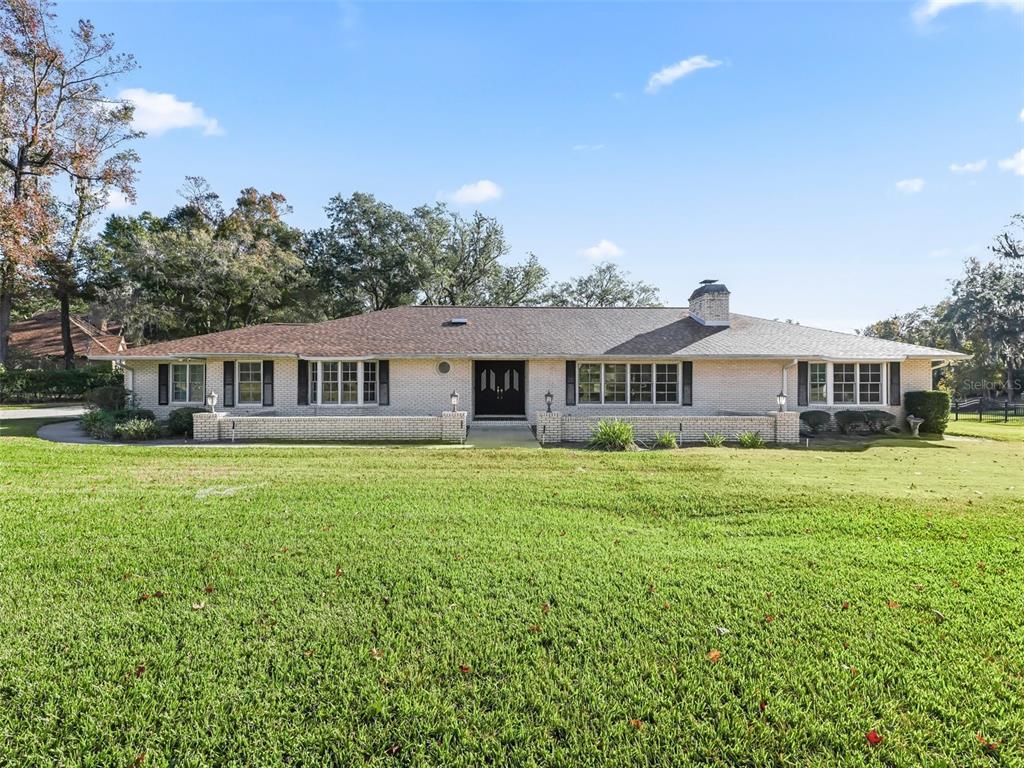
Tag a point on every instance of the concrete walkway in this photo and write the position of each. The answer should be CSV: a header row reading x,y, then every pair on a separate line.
x,y
54,412
501,436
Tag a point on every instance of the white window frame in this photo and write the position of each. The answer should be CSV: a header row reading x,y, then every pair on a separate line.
x,y
830,384
189,398
629,371
317,384
238,384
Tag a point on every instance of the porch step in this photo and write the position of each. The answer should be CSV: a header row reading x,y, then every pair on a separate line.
x,y
502,435
498,420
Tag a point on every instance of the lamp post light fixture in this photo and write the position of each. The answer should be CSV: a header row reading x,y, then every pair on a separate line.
x,y
211,401
781,400
548,399
455,401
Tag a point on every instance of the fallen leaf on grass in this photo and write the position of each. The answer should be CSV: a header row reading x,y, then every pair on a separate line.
x,y
139,670
891,604
873,738
714,655
465,669
846,605
308,652
337,573
854,672
139,760
545,608
768,618
535,628
665,605
393,750
989,746
638,724
208,589
198,606
763,705
376,652
721,631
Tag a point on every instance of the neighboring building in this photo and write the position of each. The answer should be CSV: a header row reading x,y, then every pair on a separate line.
x,y
392,374
37,342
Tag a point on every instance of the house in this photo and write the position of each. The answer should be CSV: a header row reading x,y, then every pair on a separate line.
x,y
37,342
431,372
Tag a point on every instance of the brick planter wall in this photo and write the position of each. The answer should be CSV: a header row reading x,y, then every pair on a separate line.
x,y
449,427
774,427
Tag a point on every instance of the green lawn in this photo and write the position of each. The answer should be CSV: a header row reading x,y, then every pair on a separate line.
x,y
24,427
410,606
992,428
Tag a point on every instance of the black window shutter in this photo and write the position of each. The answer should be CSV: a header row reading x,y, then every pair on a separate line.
x,y
801,383
383,383
162,375
894,384
687,383
229,384
268,382
303,382
570,382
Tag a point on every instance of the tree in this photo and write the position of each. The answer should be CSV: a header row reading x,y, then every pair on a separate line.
x,y
54,119
460,262
199,269
363,260
606,285
989,301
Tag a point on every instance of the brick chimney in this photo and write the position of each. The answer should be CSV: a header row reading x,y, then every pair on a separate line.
x,y
709,304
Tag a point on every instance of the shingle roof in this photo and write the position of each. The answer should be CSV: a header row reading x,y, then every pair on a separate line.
x,y
39,336
416,331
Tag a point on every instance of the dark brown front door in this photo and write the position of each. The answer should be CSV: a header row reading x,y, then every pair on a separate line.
x,y
500,387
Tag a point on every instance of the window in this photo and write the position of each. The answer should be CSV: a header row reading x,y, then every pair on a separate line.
x,y
188,383
817,377
250,383
314,386
666,383
350,383
369,382
641,380
844,383
590,383
614,382
870,382
329,395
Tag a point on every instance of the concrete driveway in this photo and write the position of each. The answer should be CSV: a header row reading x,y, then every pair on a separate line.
x,y
50,412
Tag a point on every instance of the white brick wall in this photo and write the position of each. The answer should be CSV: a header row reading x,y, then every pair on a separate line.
x,y
417,389
448,427
773,427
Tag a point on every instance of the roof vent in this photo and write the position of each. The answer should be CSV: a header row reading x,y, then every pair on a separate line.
x,y
458,321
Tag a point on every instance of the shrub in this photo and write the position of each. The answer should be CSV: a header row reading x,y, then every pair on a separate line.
x,y
29,385
817,421
665,440
879,421
179,421
932,406
714,441
110,398
612,435
97,423
852,422
137,429
750,440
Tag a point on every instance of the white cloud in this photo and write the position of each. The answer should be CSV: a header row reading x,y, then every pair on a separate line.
x,y
929,9
605,249
669,75
478,192
157,113
1015,163
116,201
1021,116
587,147
976,167
910,186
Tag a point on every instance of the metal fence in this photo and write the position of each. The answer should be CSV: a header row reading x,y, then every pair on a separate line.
x,y
987,410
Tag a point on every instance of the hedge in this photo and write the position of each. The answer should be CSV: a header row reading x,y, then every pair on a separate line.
x,y
38,385
932,406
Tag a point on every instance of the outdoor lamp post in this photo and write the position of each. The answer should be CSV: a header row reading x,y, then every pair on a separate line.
x,y
211,401
781,400
548,399
455,401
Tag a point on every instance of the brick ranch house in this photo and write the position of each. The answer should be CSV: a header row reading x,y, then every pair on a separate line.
x,y
392,374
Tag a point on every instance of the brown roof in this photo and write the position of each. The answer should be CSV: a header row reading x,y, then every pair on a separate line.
x,y
39,336
413,331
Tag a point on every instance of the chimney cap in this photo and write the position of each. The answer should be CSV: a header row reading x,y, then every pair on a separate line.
x,y
708,286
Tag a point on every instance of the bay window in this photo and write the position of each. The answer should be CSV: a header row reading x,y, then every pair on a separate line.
x,y
188,381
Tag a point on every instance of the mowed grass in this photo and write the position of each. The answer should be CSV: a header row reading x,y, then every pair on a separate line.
x,y
993,428
414,606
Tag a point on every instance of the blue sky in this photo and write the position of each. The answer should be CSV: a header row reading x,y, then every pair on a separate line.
x,y
799,152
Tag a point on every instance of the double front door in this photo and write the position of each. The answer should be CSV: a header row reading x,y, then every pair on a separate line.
x,y
500,387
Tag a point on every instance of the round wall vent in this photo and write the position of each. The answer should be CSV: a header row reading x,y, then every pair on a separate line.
x,y
444,366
